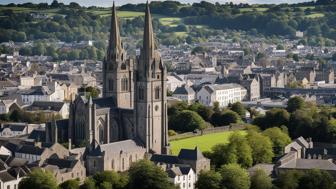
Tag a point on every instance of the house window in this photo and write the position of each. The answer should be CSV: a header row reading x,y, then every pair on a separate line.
x,y
157,93
124,84
123,164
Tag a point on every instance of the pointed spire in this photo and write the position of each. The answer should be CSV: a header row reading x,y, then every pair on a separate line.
x,y
115,46
148,40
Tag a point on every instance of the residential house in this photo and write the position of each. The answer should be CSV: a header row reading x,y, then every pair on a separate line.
x,y
7,106
49,108
185,93
41,93
224,94
174,81
183,177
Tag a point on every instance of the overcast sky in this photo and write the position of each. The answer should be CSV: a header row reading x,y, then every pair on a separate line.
x,y
107,3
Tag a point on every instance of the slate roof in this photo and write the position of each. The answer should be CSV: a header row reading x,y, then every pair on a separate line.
x,y
37,90
29,149
5,177
178,171
62,163
13,127
162,158
215,87
37,134
309,164
46,105
185,90
188,154
107,102
116,147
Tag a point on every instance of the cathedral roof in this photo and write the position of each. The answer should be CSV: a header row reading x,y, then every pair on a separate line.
x,y
116,148
188,154
107,102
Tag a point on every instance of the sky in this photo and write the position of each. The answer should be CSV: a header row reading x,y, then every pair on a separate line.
x,y
108,3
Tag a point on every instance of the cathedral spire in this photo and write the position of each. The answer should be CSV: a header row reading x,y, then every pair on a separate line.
x,y
148,40
115,47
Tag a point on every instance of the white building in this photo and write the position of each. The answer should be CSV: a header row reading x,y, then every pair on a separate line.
x,y
173,82
224,94
185,93
43,93
184,177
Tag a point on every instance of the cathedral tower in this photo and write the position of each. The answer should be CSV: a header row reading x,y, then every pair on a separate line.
x,y
117,69
150,93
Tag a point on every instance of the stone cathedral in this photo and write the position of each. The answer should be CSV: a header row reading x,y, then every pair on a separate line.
x,y
130,119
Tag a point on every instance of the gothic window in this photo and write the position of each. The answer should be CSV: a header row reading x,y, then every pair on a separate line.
x,y
94,163
101,134
123,66
157,93
112,164
141,93
124,84
110,84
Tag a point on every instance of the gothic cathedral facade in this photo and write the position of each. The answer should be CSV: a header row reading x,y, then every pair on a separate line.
x,y
134,102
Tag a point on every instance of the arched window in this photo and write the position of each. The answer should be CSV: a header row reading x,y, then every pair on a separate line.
x,y
157,93
130,160
101,134
124,84
112,164
123,66
122,164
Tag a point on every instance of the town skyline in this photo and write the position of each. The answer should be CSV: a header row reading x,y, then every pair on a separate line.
x,y
104,3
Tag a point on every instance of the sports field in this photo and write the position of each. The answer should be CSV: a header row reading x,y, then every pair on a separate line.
x,y
204,142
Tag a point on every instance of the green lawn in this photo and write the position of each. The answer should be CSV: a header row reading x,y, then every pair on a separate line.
x,y
260,9
315,15
205,142
170,21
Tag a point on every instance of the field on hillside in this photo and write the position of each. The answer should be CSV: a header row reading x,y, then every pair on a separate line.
x,y
204,142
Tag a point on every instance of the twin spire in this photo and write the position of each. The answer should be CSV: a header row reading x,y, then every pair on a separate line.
x,y
115,46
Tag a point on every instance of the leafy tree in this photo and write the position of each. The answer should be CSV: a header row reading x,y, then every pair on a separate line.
x,y
145,175
239,109
89,183
234,177
260,180
288,180
187,121
279,139
316,179
273,118
300,124
39,179
295,103
70,184
110,178
236,151
204,111
261,147
209,179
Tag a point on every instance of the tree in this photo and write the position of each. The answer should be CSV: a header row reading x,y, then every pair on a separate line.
x,y
316,179
70,184
110,178
279,139
274,118
39,179
209,179
234,177
288,180
261,147
204,111
295,103
89,183
146,175
229,117
260,180
239,109
236,151
187,121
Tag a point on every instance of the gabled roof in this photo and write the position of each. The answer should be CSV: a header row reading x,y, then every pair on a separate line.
x,y
30,149
309,164
185,90
46,105
61,163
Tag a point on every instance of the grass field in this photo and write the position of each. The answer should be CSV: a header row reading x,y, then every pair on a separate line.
x,y
315,15
253,9
205,142
170,21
